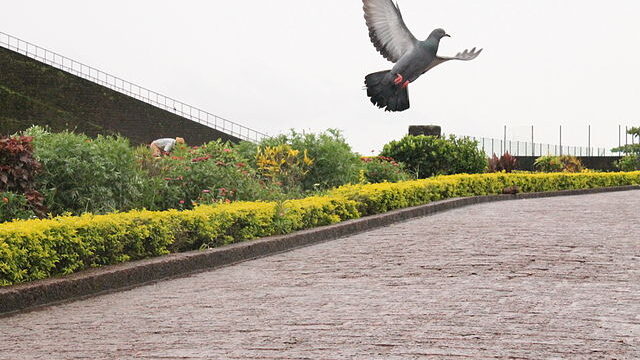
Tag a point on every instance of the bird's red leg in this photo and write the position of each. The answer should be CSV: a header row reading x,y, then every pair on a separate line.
x,y
398,80
406,83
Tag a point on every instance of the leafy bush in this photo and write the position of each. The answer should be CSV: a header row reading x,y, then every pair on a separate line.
x,y
283,166
334,164
563,163
81,174
377,169
506,163
211,173
18,169
629,163
548,164
14,206
427,156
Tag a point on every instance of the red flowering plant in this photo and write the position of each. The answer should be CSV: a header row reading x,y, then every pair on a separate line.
x,y
18,169
207,174
506,163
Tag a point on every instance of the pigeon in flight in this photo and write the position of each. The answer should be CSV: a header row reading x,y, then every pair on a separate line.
x,y
389,89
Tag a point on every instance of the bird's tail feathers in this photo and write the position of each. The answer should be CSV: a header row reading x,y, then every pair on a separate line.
x,y
384,93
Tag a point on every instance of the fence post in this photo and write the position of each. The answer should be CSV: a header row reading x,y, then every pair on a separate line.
x,y
533,145
505,139
560,140
589,143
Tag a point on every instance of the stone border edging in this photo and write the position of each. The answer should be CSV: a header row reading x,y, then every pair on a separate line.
x,y
137,273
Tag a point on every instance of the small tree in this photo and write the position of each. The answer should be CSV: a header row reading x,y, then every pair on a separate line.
x,y
427,156
631,160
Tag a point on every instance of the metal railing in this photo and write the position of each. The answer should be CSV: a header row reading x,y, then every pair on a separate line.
x,y
523,148
125,87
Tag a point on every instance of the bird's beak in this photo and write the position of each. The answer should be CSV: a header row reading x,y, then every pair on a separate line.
x,y
447,35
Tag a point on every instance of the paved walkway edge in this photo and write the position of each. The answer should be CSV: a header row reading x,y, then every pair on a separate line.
x,y
124,276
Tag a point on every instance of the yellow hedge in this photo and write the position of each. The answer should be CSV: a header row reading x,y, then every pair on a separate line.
x,y
36,249
379,198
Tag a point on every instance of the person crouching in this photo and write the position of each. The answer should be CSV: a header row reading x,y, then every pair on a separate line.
x,y
164,145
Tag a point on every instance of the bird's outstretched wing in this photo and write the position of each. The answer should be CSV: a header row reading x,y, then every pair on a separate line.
x,y
464,56
387,30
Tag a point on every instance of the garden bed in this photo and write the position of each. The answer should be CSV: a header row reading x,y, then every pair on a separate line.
x,y
38,249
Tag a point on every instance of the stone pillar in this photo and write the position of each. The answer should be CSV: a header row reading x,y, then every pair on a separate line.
x,y
428,130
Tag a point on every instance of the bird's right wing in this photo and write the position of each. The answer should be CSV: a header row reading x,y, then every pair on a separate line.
x,y
387,30
464,56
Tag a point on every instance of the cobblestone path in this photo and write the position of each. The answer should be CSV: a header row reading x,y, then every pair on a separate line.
x,y
555,278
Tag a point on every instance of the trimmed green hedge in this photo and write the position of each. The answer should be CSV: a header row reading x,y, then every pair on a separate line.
x,y
37,249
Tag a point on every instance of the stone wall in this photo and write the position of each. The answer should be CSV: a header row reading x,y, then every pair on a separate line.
x,y
33,93
603,163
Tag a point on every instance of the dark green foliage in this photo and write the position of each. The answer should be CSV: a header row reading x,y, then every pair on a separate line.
x,y
334,163
427,156
378,169
14,206
629,163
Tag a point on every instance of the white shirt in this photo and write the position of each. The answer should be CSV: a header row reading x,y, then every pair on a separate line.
x,y
165,144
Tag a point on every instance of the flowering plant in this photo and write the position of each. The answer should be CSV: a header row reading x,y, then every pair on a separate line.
x,y
207,174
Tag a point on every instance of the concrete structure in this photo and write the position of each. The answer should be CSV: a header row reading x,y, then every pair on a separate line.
x,y
602,163
34,93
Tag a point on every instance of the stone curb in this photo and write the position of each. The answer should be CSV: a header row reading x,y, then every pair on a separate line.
x,y
124,276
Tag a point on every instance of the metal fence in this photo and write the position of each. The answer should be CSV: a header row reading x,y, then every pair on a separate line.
x,y
523,148
125,87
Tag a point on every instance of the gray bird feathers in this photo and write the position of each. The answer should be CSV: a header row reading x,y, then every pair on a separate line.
x,y
389,34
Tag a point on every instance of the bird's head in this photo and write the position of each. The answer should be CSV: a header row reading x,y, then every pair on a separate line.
x,y
439,34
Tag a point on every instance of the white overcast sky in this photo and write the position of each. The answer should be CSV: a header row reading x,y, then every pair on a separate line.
x,y
276,65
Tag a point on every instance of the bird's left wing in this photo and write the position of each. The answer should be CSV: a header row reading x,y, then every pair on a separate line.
x,y
387,30
464,56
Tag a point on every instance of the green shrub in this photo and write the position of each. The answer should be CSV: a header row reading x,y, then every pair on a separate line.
x,y
548,164
378,169
81,174
427,156
14,206
629,163
283,166
213,172
334,164
564,163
